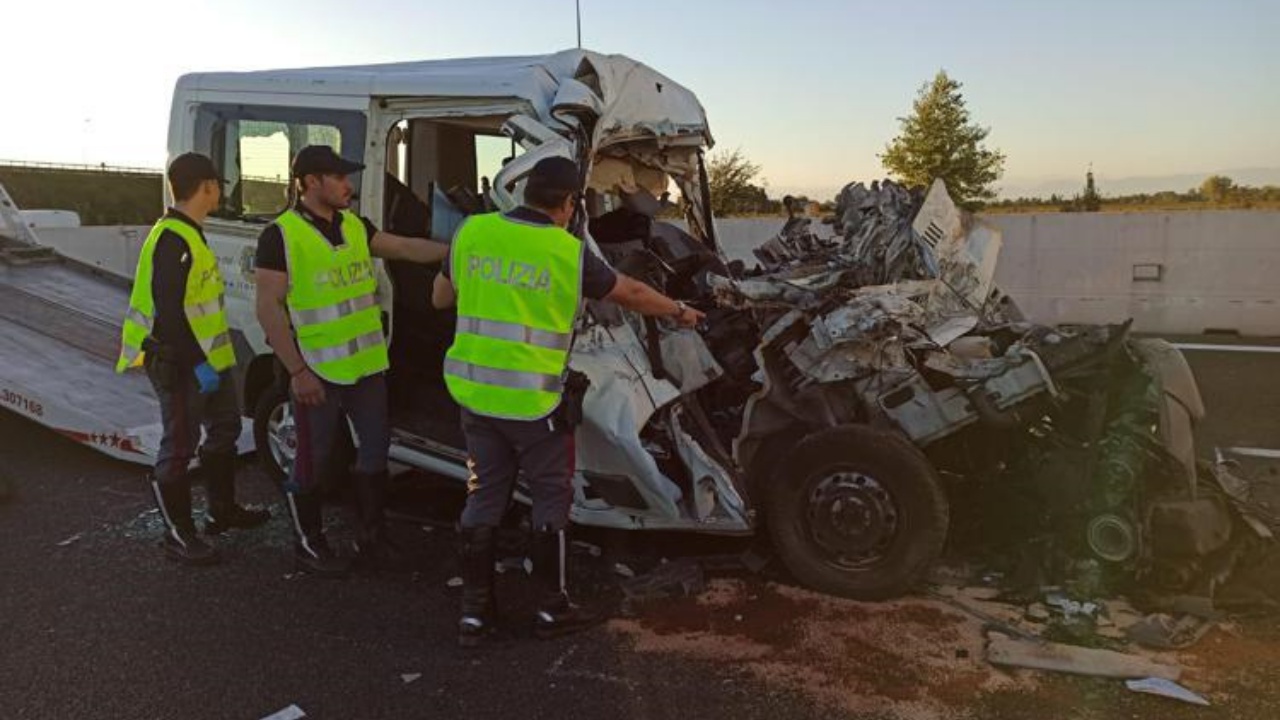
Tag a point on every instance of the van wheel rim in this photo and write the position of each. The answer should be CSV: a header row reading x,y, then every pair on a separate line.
x,y
282,436
852,518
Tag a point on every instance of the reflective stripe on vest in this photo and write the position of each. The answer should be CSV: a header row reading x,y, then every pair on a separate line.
x,y
203,303
332,299
519,289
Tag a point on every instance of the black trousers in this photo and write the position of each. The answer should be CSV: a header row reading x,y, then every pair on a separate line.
x,y
365,403
185,412
542,450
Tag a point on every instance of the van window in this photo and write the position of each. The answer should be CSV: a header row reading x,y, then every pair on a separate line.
x,y
253,146
492,152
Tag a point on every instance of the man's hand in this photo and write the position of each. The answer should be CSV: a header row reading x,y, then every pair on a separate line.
x,y
307,388
443,293
635,295
689,317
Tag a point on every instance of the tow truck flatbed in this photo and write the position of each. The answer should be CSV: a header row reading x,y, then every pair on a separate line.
x,y
59,339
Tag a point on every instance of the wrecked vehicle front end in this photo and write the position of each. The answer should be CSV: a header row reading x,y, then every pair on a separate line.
x,y
1071,445
855,394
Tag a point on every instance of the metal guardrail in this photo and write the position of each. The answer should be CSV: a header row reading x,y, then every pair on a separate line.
x,y
102,167
114,169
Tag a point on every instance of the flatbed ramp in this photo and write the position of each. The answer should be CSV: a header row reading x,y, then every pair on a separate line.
x,y
59,339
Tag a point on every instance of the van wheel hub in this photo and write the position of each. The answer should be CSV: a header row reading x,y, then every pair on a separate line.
x,y
852,518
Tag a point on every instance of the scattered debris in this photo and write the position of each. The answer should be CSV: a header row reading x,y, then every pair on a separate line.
x,y
407,678
1165,688
989,620
623,570
1167,632
1071,608
672,579
910,658
513,563
583,546
1038,613
1011,652
293,712
73,539
454,582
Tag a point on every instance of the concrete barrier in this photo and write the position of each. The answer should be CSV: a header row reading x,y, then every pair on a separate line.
x,y
1176,272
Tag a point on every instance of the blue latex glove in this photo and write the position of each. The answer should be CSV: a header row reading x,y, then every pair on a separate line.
x,y
207,378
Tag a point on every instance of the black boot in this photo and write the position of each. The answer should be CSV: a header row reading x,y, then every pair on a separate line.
x,y
556,614
180,541
223,514
373,548
312,551
478,608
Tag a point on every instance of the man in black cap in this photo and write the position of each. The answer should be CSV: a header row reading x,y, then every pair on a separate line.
x,y
317,302
177,328
519,279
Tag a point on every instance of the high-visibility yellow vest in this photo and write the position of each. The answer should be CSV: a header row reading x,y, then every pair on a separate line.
x,y
333,300
203,304
519,289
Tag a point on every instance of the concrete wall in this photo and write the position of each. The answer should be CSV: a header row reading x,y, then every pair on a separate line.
x,y
1178,272
1206,270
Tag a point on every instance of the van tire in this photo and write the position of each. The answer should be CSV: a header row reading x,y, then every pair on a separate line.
x,y
857,512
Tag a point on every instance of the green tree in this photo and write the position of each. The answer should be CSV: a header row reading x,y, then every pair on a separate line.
x,y
938,141
1217,188
733,188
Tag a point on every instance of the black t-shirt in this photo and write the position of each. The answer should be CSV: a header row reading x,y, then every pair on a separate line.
x,y
170,265
598,278
271,253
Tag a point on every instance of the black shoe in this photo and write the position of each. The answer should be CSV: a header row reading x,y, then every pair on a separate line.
x,y
562,618
312,552
374,551
235,516
187,548
476,553
219,471
180,541
474,630
315,557
556,614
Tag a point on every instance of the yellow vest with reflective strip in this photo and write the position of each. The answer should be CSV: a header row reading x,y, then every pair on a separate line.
x,y
519,288
203,304
332,299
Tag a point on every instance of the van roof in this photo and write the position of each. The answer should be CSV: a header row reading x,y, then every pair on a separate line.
x,y
635,98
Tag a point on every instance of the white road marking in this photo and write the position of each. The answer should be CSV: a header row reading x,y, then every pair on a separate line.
x,y
1229,348
1255,452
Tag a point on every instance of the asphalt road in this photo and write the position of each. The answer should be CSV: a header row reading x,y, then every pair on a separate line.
x,y
94,623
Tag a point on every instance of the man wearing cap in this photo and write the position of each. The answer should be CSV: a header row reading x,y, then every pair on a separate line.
x,y
519,279
317,303
176,327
